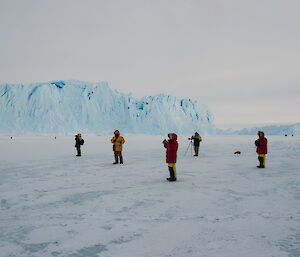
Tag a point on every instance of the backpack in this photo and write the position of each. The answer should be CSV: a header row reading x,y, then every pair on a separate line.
x,y
81,142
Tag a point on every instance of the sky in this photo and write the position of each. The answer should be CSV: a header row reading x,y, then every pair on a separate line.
x,y
241,58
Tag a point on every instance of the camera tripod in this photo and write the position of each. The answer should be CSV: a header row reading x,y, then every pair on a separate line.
x,y
190,145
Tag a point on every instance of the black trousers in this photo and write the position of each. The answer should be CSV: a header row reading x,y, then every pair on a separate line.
x,y
118,154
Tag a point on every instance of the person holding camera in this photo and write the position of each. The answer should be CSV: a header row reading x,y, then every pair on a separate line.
x,y
171,155
118,142
197,139
78,142
261,149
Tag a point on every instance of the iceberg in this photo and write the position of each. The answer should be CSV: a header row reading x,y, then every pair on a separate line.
x,y
65,107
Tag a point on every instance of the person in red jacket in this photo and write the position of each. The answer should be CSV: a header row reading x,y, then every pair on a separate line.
x,y
171,155
261,144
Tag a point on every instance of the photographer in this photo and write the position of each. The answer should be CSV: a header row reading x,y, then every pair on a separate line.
x,y
261,148
118,142
78,142
197,139
171,155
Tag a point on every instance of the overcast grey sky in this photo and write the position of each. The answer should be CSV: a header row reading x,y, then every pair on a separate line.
x,y
239,57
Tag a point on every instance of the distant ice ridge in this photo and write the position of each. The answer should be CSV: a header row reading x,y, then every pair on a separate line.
x,y
293,129
64,107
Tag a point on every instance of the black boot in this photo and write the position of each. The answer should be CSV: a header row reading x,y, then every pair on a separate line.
x,y
261,162
172,174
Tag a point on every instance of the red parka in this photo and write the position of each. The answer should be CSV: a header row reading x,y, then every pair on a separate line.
x,y
172,146
261,144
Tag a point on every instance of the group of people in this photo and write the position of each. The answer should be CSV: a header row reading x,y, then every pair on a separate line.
x,y
171,146
117,142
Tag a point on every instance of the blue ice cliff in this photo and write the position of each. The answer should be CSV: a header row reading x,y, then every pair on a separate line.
x,y
64,107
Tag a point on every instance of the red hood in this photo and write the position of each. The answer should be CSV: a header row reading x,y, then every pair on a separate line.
x,y
262,134
174,137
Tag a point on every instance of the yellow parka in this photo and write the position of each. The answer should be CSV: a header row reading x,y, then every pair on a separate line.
x,y
117,143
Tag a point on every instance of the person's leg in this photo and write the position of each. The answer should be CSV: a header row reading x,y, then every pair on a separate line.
x,y
172,170
116,157
261,161
121,157
78,151
196,150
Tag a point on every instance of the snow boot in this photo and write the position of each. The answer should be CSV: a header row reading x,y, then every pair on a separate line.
x,y
261,162
170,170
172,174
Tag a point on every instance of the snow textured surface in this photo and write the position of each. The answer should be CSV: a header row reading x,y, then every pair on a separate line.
x,y
54,204
65,107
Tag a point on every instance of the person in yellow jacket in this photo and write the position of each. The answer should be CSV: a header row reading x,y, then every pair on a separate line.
x,y
118,142
197,139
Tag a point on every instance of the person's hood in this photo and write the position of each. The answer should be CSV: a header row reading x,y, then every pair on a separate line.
x,y
262,134
174,137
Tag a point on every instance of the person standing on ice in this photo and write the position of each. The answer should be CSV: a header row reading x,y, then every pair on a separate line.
x,y
78,142
171,155
261,148
197,139
118,142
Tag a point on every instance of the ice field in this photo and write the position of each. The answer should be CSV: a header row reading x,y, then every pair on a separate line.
x,y
55,204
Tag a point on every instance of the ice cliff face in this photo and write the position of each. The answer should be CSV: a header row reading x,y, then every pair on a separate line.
x,y
64,107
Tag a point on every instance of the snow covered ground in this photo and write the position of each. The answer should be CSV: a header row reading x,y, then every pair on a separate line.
x,y
54,204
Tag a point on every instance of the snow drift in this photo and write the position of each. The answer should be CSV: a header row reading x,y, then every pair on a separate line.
x,y
63,107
